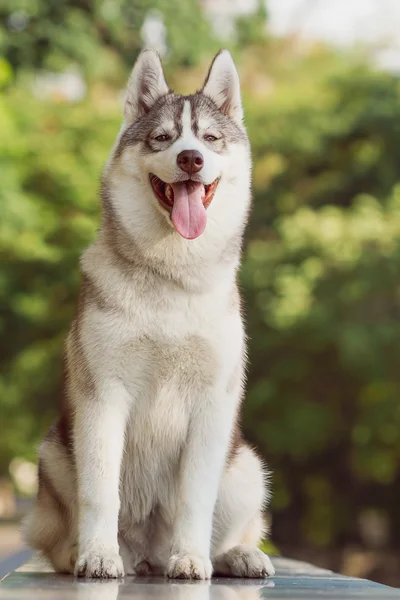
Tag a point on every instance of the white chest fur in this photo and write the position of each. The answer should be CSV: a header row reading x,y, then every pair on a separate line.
x,y
174,353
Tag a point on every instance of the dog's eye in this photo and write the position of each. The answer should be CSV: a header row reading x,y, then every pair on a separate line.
x,y
164,137
210,138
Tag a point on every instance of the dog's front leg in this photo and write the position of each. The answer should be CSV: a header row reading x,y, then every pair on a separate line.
x,y
99,426
200,474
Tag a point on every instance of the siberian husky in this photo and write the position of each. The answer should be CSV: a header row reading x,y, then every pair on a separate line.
x,y
146,471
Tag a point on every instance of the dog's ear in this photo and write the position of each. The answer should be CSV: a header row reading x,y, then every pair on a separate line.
x,y
223,87
145,86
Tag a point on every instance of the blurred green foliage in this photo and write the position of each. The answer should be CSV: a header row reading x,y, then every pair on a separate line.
x,y
102,36
322,258
321,279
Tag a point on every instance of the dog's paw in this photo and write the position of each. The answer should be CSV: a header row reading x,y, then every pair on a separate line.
x,y
107,565
185,566
244,561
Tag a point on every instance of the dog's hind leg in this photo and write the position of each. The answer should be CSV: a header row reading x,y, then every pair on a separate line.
x,y
51,526
45,531
238,524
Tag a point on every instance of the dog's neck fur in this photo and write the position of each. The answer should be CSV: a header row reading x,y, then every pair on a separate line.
x,y
194,266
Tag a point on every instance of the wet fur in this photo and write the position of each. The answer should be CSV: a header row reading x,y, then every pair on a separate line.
x,y
145,470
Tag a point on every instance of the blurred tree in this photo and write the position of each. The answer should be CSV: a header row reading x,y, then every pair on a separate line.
x,y
322,294
51,156
252,28
97,34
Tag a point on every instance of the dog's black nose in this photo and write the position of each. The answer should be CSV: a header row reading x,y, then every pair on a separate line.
x,y
190,161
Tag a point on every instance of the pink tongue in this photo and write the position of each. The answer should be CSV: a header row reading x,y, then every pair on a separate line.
x,y
188,213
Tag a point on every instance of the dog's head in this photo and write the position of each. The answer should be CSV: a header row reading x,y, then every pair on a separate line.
x,y
181,164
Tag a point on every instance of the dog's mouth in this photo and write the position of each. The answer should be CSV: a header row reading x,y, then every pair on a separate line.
x,y
186,201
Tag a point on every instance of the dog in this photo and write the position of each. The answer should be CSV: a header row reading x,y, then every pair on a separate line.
x,y
145,471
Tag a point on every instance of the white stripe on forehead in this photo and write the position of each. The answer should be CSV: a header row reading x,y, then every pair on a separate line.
x,y
203,123
187,140
186,119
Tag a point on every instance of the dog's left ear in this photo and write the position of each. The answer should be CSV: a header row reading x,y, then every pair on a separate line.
x,y
145,86
222,85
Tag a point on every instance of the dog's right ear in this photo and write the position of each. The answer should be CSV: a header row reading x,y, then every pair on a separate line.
x,y
145,86
223,87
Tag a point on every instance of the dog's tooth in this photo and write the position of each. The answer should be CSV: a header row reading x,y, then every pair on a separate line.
x,y
168,191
